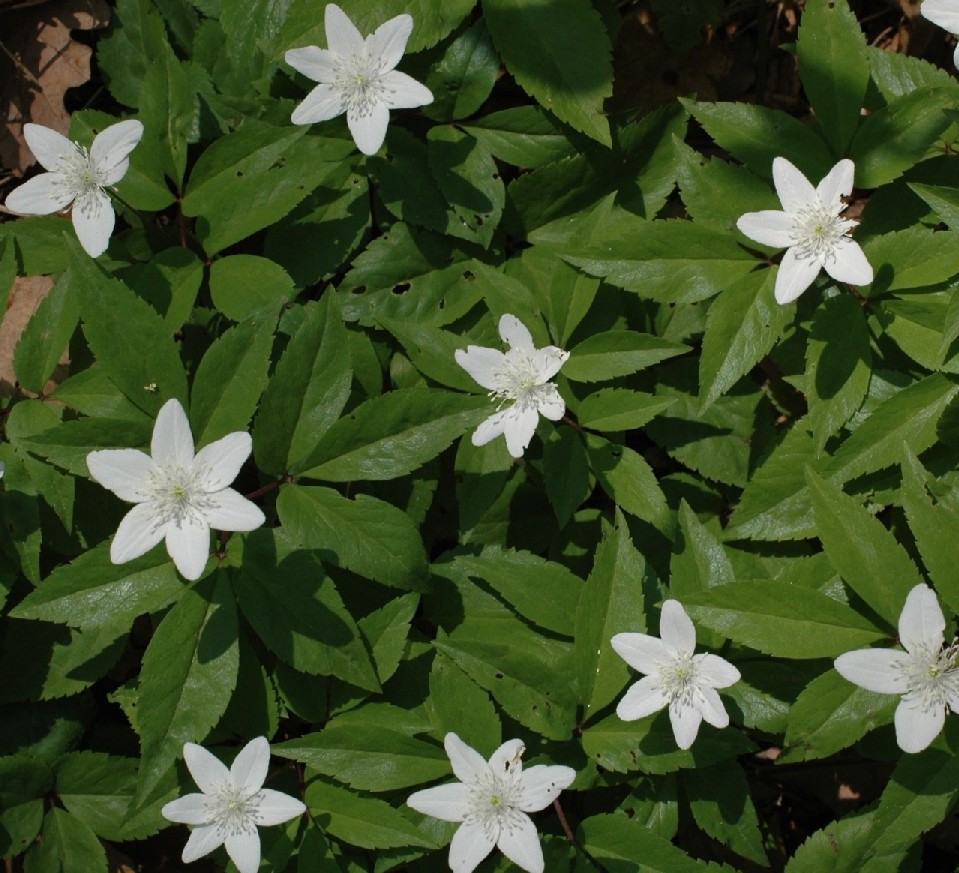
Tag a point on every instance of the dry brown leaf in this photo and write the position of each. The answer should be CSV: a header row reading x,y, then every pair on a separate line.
x,y
39,62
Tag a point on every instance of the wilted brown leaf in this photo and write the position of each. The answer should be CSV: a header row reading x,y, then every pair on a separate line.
x,y
39,62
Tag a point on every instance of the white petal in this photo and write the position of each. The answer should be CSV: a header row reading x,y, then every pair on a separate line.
x,y
482,363
126,472
509,753
685,721
208,771
172,441
955,58
945,13
449,802
404,92
711,708
111,148
191,809
874,669
313,62
917,726
520,843
489,429
795,276
202,841
771,227
468,765
388,42
93,220
551,404
219,463
641,651
793,188
342,37
230,510
275,807
542,784
188,543
244,851
248,772
47,145
321,104
515,333
676,628
641,699
715,672
369,129
921,622
470,845
41,195
138,532
849,264
837,182
547,361
519,425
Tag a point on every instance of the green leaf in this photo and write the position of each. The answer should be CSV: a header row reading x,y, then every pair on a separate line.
x,y
743,324
542,591
617,353
833,68
818,853
8,269
364,535
46,335
360,821
896,137
911,258
124,56
393,434
93,592
309,389
188,676
560,55
464,76
566,471
243,285
66,845
230,378
91,392
867,556
170,283
431,350
456,703
67,445
628,480
612,601
943,201
831,714
779,619
525,136
131,342
387,631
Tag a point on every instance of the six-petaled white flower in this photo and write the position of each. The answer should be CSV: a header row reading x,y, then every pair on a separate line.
x,y
926,674
491,800
357,76
675,677
233,804
944,13
520,375
179,495
77,176
811,229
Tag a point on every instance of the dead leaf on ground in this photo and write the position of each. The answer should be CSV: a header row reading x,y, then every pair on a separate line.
x,y
39,62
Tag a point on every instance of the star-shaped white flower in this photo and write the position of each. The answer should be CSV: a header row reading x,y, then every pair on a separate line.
x,y
944,13
925,674
233,804
810,226
357,76
520,375
179,495
77,176
675,677
491,800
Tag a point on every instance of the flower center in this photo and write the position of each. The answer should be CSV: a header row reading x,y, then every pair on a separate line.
x,y
678,678
520,381
360,84
177,494
932,675
233,811
494,801
817,229
79,175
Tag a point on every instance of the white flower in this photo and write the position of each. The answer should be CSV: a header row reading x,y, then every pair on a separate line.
x,y
491,800
925,674
357,76
945,13
809,224
77,176
521,375
232,805
179,495
675,677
